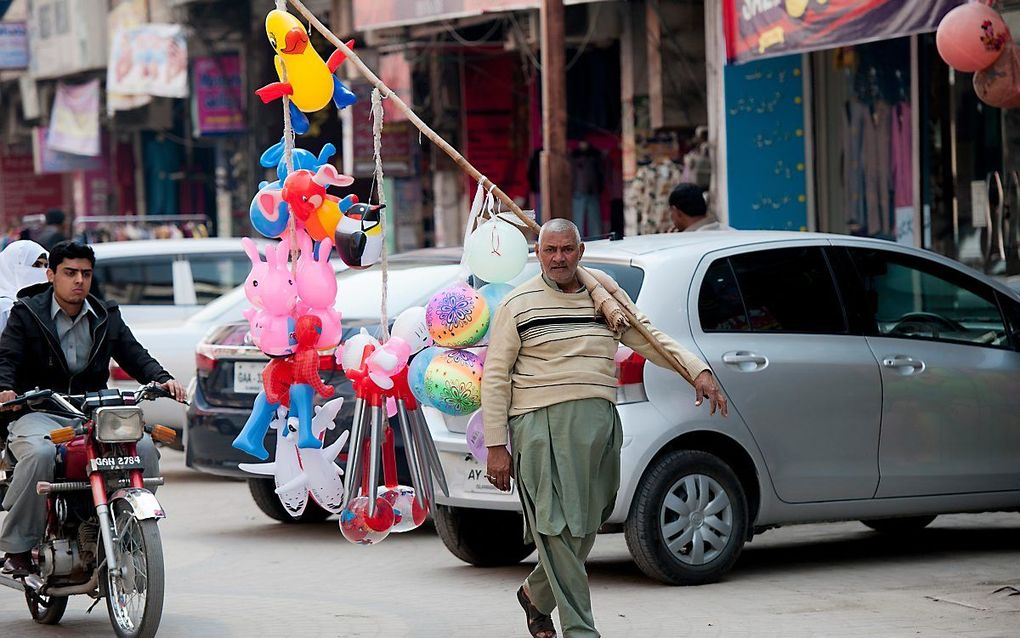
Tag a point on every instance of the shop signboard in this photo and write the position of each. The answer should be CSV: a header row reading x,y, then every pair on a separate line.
x,y
765,149
47,160
13,45
763,28
382,14
217,98
127,14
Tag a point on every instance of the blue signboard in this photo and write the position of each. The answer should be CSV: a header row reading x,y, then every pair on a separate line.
x,y
13,45
765,152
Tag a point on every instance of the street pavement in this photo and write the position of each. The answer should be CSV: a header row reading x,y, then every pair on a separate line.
x,y
231,571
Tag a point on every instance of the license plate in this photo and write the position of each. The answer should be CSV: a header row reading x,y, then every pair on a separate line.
x,y
117,464
248,377
472,473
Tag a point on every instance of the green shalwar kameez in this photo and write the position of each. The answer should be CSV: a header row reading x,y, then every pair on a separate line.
x,y
567,464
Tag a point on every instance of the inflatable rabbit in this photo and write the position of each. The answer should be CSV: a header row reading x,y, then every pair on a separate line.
x,y
316,288
270,288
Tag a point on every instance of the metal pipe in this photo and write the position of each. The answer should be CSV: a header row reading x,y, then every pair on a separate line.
x,y
412,460
435,464
69,590
107,532
352,478
423,462
375,445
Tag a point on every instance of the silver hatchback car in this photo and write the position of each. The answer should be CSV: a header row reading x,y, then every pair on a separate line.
x,y
867,380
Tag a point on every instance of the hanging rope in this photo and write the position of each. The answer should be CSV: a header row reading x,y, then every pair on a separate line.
x,y
377,181
288,155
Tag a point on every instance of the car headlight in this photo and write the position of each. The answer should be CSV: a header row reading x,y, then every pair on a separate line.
x,y
119,424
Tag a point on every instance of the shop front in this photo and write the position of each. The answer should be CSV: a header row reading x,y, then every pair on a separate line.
x,y
892,143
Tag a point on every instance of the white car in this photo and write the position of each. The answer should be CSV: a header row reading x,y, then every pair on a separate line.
x,y
866,380
167,280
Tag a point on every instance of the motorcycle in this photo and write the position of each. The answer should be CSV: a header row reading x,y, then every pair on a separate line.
x,y
101,536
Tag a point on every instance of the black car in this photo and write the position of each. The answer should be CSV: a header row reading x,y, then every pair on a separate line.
x,y
229,370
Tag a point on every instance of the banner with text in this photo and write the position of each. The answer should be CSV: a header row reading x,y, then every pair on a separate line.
x,y
763,28
218,101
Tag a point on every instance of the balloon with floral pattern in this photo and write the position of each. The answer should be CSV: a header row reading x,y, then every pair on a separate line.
x,y
457,316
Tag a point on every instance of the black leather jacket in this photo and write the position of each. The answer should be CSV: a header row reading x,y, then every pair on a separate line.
x,y
30,353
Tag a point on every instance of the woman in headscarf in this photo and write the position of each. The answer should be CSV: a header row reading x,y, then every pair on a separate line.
x,y
23,263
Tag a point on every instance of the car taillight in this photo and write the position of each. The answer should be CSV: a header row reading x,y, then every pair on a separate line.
x,y
118,373
630,380
204,363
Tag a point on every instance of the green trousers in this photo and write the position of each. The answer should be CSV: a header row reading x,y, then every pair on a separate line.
x,y
567,465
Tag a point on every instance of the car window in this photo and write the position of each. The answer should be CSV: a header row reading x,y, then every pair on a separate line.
x,y
789,290
719,305
215,275
910,297
138,281
1011,308
629,277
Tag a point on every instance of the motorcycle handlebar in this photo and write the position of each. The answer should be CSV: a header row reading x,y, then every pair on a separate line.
x,y
147,392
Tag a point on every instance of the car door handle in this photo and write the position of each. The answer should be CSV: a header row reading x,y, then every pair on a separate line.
x,y
745,361
903,363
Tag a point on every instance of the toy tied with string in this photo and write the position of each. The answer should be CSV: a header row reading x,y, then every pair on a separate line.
x,y
394,507
290,382
306,78
272,221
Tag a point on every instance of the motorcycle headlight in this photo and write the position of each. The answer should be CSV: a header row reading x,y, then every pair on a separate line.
x,y
119,424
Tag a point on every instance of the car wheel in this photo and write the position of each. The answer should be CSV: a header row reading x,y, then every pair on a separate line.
x,y
483,538
899,525
689,519
263,492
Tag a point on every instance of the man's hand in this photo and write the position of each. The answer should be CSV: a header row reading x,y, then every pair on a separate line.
x,y
9,395
499,468
705,388
176,390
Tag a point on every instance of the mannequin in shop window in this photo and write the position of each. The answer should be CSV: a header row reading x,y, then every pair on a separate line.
x,y
587,183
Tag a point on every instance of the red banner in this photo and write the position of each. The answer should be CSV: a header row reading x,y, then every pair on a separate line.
x,y
764,28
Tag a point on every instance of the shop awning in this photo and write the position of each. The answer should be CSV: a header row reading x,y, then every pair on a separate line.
x,y
764,28
384,14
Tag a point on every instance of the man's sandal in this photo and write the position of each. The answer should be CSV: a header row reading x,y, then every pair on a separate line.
x,y
539,624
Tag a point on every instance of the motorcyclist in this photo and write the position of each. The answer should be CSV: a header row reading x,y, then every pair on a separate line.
x,y
62,338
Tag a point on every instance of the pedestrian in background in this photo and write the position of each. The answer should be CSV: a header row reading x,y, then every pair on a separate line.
x,y
689,210
22,264
53,232
549,388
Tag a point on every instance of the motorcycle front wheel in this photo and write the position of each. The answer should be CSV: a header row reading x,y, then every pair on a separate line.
x,y
134,596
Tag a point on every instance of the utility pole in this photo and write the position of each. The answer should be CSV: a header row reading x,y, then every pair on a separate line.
x,y
555,167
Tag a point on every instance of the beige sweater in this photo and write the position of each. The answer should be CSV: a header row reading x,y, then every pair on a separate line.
x,y
548,346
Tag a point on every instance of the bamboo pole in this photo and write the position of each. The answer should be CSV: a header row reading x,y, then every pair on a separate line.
x,y
586,278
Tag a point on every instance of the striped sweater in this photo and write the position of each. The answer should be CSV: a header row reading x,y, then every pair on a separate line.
x,y
548,346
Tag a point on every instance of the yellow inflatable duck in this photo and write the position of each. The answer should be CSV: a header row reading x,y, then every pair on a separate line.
x,y
311,82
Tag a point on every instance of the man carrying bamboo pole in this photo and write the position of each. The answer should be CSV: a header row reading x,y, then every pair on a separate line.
x,y
549,387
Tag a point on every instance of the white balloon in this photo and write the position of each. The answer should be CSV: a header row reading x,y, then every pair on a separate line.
x,y
411,327
496,251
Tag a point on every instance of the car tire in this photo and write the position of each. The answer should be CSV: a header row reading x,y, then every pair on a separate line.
x,y
263,492
483,538
701,483
899,525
